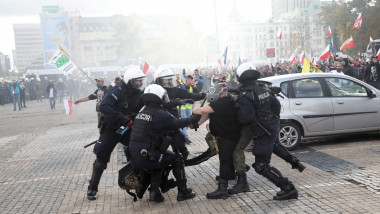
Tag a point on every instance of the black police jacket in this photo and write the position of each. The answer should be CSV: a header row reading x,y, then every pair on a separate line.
x,y
161,122
120,104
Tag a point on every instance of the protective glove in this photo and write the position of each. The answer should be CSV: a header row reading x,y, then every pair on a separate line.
x,y
203,95
185,153
186,101
124,120
194,120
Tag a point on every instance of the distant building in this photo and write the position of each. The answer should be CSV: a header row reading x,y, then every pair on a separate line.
x,y
29,47
280,7
5,64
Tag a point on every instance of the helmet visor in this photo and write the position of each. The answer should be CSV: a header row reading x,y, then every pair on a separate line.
x,y
139,82
167,82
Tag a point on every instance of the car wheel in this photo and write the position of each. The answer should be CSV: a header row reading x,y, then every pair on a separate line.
x,y
290,135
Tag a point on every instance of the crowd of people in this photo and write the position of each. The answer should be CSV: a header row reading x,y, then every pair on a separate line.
x,y
20,91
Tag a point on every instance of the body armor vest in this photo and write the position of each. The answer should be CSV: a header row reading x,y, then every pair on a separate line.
x,y
263,101
142,125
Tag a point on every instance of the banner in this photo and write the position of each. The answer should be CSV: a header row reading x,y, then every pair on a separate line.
x,y
62,62
55,31
68,104
309,67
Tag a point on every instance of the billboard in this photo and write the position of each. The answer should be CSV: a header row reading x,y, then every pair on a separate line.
x,y
55,31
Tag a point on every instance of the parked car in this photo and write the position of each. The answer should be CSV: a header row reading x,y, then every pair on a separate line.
x,y
316,104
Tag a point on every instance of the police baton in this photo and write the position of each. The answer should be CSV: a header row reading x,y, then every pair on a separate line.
x,y
90,144
263,128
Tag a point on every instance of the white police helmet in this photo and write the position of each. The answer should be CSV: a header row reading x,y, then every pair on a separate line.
x,y
164,77
155,93
247,71
134,76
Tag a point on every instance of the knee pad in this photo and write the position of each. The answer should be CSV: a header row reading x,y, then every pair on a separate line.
x,y
100,164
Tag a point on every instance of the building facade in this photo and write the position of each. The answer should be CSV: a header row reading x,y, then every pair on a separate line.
x,y
29,47
5,64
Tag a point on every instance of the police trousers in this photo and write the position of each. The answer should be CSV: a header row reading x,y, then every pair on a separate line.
x,y
264,143
246,136
226,149
108,139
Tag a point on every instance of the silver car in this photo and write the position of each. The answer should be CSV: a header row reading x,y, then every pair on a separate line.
x,y
316,104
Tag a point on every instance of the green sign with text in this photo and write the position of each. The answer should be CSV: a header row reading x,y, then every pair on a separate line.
x,y
50,9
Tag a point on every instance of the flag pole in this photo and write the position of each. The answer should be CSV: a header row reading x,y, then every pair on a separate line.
x,y
85,73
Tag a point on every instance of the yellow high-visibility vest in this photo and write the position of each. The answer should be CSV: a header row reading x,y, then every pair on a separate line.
x,y
188,106
228,78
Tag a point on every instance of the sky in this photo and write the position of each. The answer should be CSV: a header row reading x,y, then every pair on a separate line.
x,y
201,12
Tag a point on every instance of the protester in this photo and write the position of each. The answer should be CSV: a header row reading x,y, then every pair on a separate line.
x,y
52,94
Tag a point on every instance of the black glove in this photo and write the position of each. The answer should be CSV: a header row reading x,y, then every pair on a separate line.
x,y
195,119
203,95
186,101
185,153
124,120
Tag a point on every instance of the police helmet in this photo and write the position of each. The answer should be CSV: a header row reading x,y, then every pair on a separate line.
x,y
164,76
247,71
155,93
134,77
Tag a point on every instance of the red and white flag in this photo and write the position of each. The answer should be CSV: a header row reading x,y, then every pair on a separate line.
x,y
326,53
302,57
145,68
347,44
68,104
279,34
358,22
378,53
293,57
370,40
329,31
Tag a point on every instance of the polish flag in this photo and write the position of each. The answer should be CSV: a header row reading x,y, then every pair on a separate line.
x,y
294,56
347,44
279,34
68,104
329,31
378,53
326,53
145,68
370,40
302,57
358,22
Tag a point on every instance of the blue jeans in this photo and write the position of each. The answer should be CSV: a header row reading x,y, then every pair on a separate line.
x,y
52,102
185,114
16,98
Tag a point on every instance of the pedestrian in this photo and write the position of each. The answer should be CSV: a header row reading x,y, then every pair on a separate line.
x,y
224,126
148,147
120,105
2,92
186,110
15,93
258,114
198,79
22,94
98,95
372,73
52,94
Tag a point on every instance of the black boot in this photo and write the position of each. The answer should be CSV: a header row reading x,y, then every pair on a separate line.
x,y
154,191
287,192
221,192
241,184
97,171
167,184
296,164
184,193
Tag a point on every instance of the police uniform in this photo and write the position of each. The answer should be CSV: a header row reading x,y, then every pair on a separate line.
x,y
258,108
118,106
148,147
98,96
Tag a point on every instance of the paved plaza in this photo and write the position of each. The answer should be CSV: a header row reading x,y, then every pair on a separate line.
x,y
45,169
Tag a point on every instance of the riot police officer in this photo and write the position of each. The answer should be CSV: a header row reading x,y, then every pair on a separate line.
x,y
150,140
119,106
258,110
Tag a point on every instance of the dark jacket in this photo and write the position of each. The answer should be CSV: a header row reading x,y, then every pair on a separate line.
x,y
372,72
48,90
